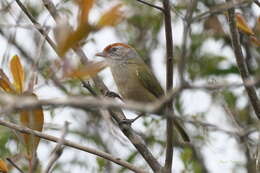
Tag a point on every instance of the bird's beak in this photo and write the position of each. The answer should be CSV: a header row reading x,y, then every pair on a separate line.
x,y
102,54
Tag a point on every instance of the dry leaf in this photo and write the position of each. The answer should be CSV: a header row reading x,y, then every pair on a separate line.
x,y
5,84
18,73
32,119
242,25
62,30
73,38
85,6
111,17
88,70
3,166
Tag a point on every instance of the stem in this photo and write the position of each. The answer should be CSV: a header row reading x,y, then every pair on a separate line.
x,y
245,75
169,84
77,146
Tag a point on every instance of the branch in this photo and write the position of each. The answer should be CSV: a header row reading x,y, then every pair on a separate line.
x,y
241,62
73,145
37,25
14,165
23,52
196,122
257,2
221,8
151,5
58,150
169,84
11,102
186,30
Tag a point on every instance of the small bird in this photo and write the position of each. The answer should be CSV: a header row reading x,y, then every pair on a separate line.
x,y
134,80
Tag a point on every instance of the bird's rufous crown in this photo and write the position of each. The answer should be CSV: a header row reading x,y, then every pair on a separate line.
x,y
106,49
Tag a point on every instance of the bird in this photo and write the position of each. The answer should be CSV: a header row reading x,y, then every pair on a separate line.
x,y
133,78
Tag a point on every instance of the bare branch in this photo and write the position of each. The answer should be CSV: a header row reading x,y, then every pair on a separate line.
x,y
14,165
186,30
257,2
51,8
73,145
241,62
221,8
89,102
169,85
40,29
23,52
58,150
151,5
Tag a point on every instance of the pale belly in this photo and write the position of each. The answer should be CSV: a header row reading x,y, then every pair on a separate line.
x,y
129,86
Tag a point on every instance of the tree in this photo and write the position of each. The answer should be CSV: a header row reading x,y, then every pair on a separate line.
x,y
210,60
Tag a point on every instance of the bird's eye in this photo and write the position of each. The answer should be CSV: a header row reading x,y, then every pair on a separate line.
x,y
113,49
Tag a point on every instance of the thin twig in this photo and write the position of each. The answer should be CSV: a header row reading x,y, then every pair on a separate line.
x,y
24,26
241,62
14,164
73,145
23,52
169,85
40,29
58,150
186,30
151,5
220,8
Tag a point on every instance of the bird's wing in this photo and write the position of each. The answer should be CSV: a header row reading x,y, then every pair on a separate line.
x,y
149,81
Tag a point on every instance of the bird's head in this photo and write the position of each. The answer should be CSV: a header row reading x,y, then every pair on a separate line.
x,y
118,52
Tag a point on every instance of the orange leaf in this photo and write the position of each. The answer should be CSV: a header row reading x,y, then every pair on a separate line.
x,y
3,166
18,73
5,84
87,71
111,17
32,119
85,6
242,25
255,41
73,38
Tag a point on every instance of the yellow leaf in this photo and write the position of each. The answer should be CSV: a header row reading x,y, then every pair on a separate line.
x,y
87,71
3,166
5,84
32,119
111,17
85,6
73,38
242,25
18,73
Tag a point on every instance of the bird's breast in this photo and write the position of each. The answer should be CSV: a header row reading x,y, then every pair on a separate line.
x,y
128,84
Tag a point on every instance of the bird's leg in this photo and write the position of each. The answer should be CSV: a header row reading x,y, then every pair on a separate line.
x,y
112,94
